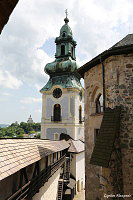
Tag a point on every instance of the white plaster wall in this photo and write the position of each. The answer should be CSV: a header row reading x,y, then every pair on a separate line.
x,y
43,131
49,190
80,167
52,102
79,132
77,168
77,104
69,121
43,107
70,129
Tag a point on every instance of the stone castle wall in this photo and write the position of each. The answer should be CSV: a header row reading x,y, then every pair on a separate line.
x,y
118,92
93,85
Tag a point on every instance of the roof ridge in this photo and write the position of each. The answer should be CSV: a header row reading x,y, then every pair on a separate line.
x,y
119,42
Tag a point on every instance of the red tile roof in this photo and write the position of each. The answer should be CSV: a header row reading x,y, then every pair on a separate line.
x,y
16,154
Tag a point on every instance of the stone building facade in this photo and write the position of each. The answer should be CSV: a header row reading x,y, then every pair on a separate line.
x,y
109,84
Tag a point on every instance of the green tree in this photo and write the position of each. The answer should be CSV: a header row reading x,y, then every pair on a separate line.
x,y
37,126
24,126
38,136
2,133
9,131
16,130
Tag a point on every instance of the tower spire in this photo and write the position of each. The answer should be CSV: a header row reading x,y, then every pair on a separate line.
x,y
66,13
66,18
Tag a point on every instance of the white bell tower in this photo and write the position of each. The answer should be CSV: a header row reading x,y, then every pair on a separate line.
x,y
63,95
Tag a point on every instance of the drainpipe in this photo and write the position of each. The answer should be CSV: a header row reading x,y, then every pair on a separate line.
x,y
103,80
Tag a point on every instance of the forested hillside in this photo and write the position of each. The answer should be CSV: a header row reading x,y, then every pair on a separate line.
x,y
20,130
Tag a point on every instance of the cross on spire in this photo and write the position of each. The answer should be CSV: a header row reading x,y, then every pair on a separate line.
x,y
66,19
66,13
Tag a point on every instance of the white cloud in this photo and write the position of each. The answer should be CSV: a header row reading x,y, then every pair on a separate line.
x,y
38,87
100,24
23,107
96,26
29,100
6,94
39,61
38,111
9,81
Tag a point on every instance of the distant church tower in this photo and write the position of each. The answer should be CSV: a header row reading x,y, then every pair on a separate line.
x,y
30,120
63,95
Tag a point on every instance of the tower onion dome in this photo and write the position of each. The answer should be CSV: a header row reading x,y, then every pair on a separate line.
x,y
63,67
66,28
63,70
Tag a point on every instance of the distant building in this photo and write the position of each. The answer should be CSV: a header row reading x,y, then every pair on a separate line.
x,y
30,120
63,108
109,122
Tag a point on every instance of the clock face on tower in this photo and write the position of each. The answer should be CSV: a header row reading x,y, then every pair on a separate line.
x,y
57,93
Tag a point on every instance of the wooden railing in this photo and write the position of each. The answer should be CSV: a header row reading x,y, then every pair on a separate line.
x,y
67,169
32,187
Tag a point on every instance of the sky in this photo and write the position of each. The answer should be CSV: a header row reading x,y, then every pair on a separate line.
x,y
27,45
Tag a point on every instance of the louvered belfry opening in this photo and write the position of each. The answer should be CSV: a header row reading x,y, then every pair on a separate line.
x,y
62,50
99,103
57,112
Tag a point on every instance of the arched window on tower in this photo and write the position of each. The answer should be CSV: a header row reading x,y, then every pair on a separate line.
x,y
80,114
99,103
63,35
72,51
62,50
56,113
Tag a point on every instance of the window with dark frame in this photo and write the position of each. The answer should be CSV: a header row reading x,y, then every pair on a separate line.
x,y
96,133
57,112
51,158
99,103
80,95
63,35
72,51
80,114
62,50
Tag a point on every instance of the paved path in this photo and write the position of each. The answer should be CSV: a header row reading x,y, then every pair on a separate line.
x,y
80,195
